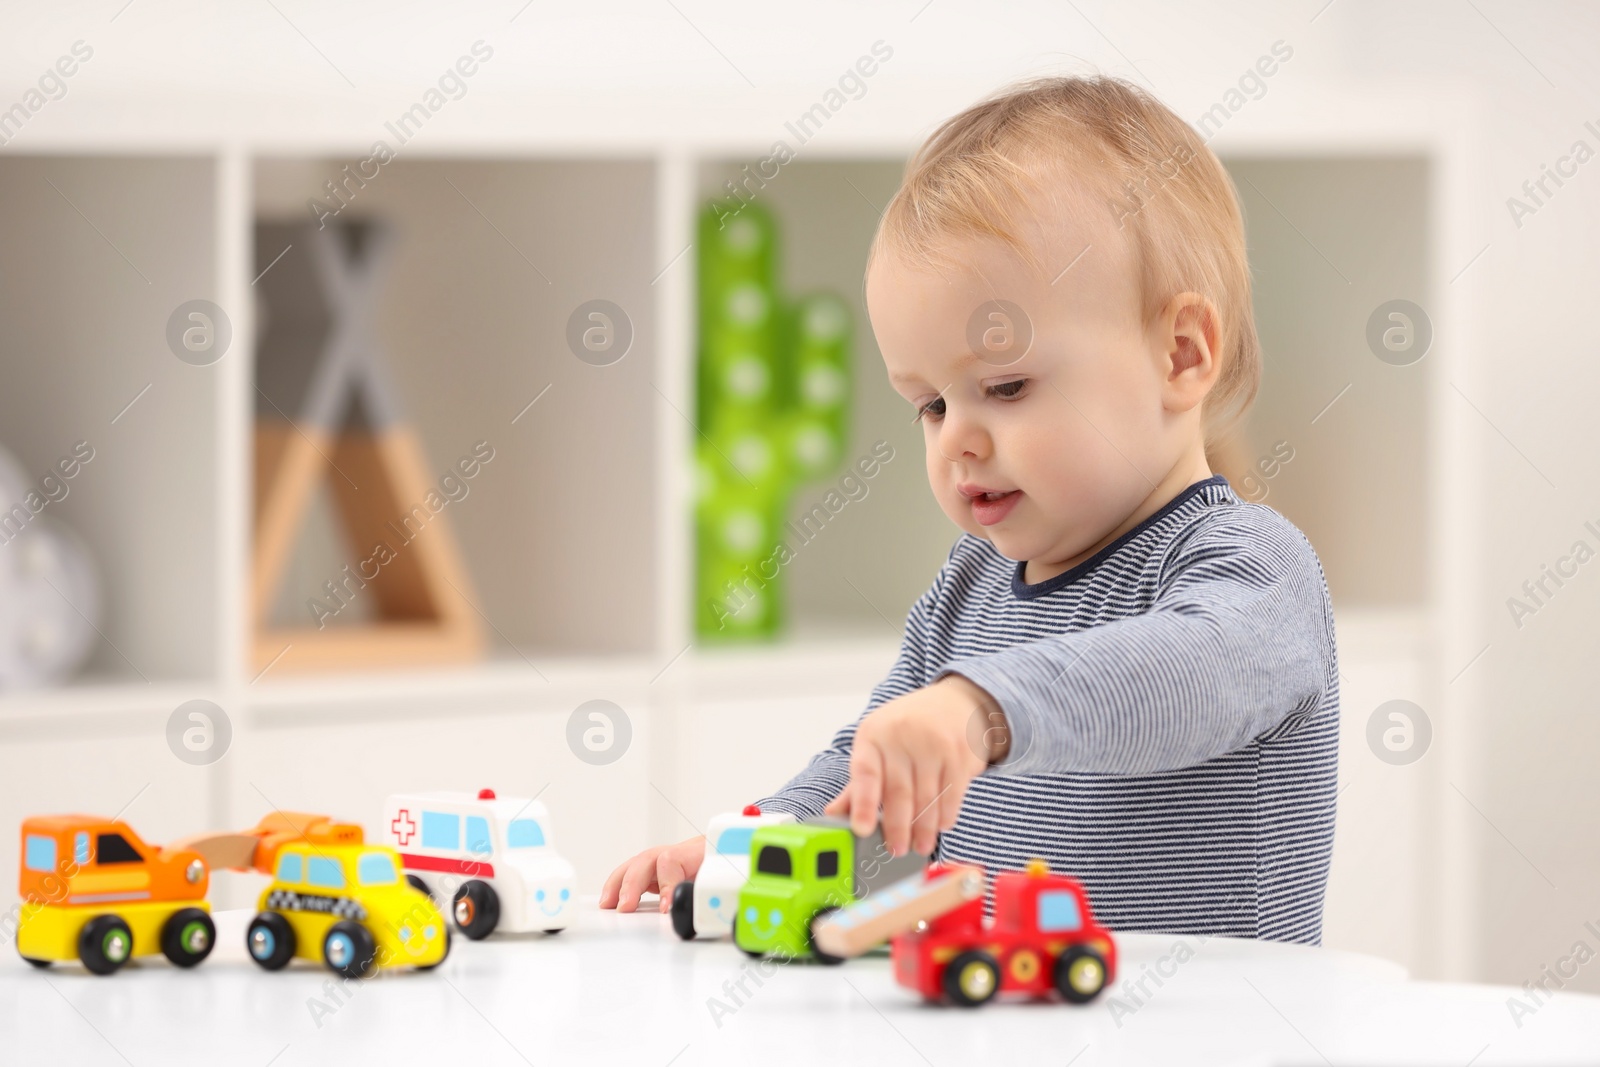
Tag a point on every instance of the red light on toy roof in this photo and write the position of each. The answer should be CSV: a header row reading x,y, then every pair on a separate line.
x,y
750,809
486,794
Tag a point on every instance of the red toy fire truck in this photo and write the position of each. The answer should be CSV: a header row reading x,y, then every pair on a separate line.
x,y
1043,938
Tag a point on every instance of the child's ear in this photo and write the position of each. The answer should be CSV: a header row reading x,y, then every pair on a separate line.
x,y
1187,338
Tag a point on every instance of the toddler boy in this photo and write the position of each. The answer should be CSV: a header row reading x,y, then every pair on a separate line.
x,y
1121,668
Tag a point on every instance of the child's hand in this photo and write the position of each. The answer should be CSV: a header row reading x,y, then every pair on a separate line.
x,y
916,755
655,870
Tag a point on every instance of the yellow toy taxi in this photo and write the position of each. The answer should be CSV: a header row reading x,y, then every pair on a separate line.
x,y
348,906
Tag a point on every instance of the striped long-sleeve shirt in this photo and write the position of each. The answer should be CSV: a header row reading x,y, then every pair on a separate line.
x,y
1173,704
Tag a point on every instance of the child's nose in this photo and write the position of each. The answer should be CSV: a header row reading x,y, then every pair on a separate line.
x,y
963,437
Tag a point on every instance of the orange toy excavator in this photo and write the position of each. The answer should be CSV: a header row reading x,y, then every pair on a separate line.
x,y
94,891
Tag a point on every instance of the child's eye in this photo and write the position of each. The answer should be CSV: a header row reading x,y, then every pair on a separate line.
x,y
933,409
1009,390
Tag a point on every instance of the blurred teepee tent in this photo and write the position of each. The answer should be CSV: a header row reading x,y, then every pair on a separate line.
x,y
326,412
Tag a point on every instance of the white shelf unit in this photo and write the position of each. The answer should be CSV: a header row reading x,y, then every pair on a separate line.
x,y
578,535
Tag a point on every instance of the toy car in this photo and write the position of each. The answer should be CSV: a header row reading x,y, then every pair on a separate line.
x,y
1043,938
347,906
800,872
93,891
491,857
704,906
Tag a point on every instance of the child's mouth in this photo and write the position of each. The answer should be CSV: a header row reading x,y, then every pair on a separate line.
x,y
990,508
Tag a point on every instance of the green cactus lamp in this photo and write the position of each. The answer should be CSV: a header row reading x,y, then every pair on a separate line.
x,y
773,388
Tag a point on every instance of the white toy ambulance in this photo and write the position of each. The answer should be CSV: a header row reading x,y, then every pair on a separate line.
x,y
705,907
490,857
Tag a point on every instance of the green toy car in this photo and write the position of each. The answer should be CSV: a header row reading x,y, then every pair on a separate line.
x,y
801,871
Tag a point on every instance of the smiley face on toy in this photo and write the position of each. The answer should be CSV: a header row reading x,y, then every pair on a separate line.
x,y
763,926
723,908
552,902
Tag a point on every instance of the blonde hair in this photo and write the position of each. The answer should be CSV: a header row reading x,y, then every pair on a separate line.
x,y
975,175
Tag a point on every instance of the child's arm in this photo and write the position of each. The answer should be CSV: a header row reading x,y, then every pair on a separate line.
x,y
659,868
1237,642
1239,639
808,793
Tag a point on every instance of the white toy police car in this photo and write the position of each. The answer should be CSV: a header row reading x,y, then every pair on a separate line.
x,y
706,906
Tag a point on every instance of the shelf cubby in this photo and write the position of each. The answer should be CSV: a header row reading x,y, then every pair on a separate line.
x,y
492,257
98,252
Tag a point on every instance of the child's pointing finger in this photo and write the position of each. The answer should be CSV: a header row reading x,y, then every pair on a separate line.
x,y
898,777
669,872
839,805
866,787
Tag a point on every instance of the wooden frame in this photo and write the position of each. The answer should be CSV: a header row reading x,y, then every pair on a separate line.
x,y
346,430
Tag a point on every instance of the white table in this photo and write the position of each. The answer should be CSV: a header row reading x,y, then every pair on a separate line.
x,y
622,989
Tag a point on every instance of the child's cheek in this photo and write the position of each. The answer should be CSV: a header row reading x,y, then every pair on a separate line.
x,y
1041,449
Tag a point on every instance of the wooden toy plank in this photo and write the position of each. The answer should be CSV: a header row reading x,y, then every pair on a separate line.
x,y
234,852
895,909
256,847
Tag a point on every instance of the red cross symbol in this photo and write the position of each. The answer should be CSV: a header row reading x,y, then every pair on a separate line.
x,y
403,827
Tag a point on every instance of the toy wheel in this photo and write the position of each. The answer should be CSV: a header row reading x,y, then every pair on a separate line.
x,y
104,944
349,950
556,931
476,909
972,978
442,958
188,936
683,910
734,930
1080,974
419,885
270,940
811,940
